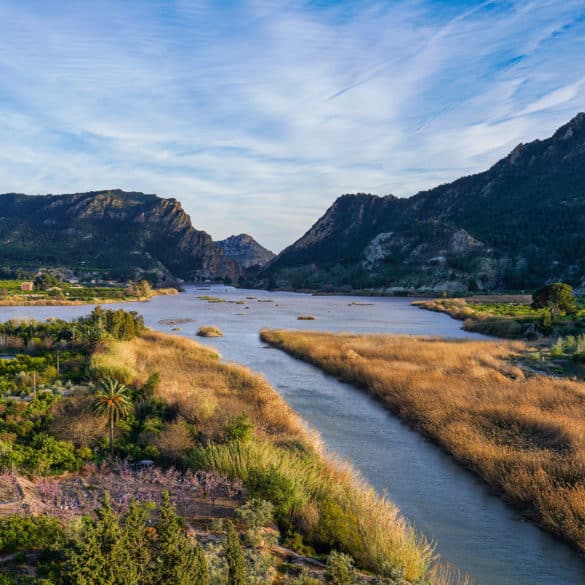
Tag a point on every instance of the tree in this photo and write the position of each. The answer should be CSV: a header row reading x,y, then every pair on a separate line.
x,y
140,289
201,576
557,297
235,557
137,541
175,559
112,400
46,281
100,557
125,549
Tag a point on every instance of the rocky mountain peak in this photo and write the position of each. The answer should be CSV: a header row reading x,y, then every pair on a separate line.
x,y
245,250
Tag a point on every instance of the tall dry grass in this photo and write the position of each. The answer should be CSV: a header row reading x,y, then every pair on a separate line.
x,y
208,392
525,435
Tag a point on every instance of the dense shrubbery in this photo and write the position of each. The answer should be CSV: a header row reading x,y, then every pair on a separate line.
x,y
100,324
29,532
49,359
558,298
111,548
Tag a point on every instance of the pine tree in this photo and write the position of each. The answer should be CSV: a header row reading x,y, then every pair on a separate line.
x,y
202,569
137,541
235,557
85,563
100,557
176,559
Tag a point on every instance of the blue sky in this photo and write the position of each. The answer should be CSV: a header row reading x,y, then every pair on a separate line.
x,y
257,114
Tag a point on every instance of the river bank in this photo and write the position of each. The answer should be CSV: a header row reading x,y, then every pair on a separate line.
x,y
521,434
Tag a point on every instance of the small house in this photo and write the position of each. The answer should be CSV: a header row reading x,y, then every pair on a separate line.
x,y
27,286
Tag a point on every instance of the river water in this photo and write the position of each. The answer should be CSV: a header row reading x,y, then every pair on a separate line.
x,y
473,529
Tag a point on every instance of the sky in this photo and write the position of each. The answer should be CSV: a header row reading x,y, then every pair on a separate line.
x,y
257,114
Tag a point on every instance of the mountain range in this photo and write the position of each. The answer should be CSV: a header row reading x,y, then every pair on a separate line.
x,y
515,226
113,233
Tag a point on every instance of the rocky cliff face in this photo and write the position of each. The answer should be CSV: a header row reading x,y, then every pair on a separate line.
x,y
245,250
516,225
123,233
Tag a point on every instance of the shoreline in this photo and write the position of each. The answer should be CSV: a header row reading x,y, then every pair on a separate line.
x,y
77,302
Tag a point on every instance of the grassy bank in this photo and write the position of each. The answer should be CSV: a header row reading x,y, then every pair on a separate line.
x,y
508,316
319,503
524,435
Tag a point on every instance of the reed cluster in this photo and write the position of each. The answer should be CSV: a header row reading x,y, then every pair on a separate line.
x,y
209,331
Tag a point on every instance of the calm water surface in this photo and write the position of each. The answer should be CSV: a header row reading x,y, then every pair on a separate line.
x,y
474,530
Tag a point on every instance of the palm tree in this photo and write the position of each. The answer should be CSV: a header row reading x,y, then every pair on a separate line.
x,y
112,400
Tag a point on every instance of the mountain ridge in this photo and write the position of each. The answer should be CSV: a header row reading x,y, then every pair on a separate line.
x,y
115,231
512,226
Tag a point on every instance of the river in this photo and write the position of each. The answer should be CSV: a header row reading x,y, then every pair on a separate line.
x,y
473,529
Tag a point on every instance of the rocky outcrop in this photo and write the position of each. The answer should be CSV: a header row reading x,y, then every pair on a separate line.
x,y
246,251
516,225
121,233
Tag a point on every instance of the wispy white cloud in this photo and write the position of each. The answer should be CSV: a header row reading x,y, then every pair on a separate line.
x,y
257,114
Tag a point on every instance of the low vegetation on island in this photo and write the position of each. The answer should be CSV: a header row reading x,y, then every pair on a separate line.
x,y
209,331
129,456
522,432
552,310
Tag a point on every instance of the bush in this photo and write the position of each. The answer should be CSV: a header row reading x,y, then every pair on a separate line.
x,y
28,532
336,527
270,485
340,569
256,513
239,429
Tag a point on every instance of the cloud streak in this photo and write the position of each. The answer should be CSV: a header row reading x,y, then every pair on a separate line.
x,y
258,114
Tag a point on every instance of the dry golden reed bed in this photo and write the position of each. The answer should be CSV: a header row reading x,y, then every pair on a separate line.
x,y
207,393
524,435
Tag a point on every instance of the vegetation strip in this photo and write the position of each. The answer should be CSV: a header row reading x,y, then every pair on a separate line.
x,y
552,310
523,434
48,290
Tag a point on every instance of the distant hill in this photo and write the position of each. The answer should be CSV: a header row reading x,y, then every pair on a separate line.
x,y
516,225
245,250
118,233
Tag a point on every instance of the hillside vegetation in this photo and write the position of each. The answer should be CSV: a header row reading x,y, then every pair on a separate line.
x,y
116,234
524,434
